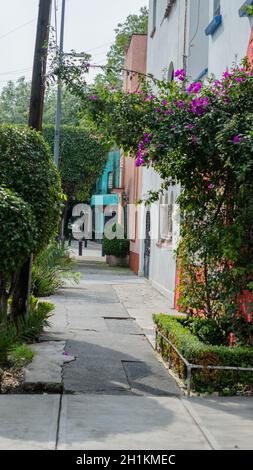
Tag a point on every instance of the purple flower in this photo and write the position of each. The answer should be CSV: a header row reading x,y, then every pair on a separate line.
x,y
239,79
87,65
189,126
237,139
194,87
194,139
211,186
227,75
164,102
93,97
168,111
180,104
66,353
180,74
158,110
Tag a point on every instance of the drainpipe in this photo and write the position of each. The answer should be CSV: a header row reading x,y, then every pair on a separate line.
x,y
185,56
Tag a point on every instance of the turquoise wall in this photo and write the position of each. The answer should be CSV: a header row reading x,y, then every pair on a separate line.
x,y
112,165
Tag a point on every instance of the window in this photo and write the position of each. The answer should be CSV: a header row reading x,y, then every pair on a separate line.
x,y
166,218
154,18
171,72
110,181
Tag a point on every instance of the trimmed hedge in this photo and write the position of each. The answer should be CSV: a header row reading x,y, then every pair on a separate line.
x,y
197,352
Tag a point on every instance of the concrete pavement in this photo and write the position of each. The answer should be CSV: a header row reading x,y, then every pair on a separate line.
x,y
116,392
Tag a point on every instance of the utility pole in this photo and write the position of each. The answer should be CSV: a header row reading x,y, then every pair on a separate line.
x,y
22,288
59,93
39,65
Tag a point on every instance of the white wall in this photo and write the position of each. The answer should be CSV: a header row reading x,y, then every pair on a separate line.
x,y
197,40
229,43
166,47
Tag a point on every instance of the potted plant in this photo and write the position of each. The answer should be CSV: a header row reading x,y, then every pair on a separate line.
x,y
116,250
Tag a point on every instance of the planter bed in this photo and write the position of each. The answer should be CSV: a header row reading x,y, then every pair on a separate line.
x,y
204,368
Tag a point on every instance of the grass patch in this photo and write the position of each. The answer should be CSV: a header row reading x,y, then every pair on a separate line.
x,y
20,355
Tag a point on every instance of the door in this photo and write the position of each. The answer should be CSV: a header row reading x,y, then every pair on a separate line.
x,y
147,246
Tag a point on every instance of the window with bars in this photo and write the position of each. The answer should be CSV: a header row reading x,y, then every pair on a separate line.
x,y
110,181
166,210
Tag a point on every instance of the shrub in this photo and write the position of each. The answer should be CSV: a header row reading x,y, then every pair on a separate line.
x,y
27,330
117,246
50,268
27,168
17,240
197,352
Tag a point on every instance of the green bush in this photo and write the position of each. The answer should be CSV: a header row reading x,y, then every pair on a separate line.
x,y
27,168
50,268
197,352
27,330
117,246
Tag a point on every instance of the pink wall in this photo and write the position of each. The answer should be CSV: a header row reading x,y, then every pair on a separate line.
x,y
135,60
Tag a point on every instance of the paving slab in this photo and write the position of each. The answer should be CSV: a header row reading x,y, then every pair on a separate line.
x,y
228,419
127,422
45,370
28,422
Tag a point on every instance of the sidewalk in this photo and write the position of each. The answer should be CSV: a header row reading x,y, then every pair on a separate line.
x,y
116,392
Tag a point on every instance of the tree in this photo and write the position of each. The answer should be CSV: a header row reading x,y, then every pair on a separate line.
x,y
15,99
82,160
18,236
115,58
14,102
27,169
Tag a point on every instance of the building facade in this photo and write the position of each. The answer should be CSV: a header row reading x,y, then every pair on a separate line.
x,y
131,176
175,34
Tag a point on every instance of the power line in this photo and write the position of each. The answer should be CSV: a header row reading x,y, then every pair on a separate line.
x,y
10,72
17,28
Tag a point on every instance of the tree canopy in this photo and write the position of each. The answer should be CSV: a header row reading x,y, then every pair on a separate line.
x,y
82,160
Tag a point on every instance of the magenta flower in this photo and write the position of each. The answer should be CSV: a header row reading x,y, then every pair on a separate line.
x,y
66,353
211,186
93,97
194,87
180,104
237,139
189,126
180,74
164,102
194,139
227,75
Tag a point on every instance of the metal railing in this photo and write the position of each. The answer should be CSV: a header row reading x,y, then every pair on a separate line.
x,y
190,367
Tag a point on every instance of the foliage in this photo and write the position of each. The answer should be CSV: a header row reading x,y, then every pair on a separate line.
x,y
82,160
137,24
20,355
18,231
248,10
27,168
15,102
28,329
51,267
116,247
197,352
